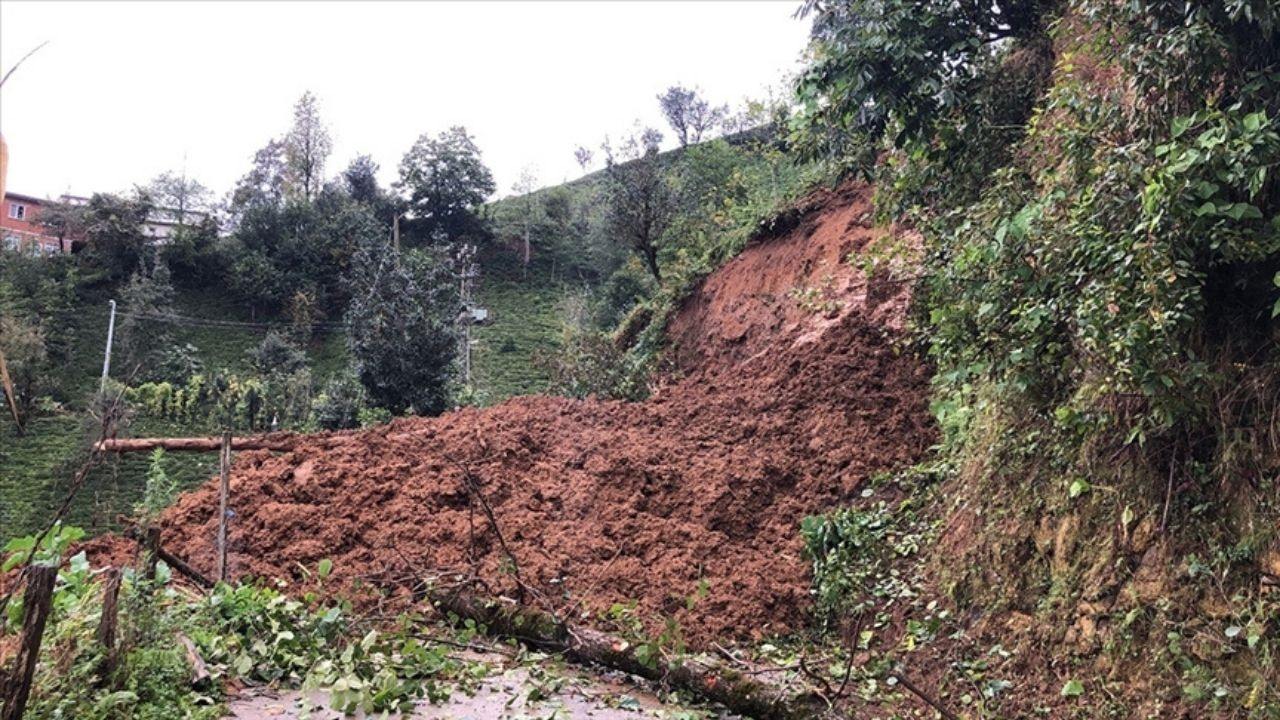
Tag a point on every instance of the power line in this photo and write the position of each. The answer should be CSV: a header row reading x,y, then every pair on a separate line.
x,y
212,322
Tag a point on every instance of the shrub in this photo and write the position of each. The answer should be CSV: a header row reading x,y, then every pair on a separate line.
x,y
340,404
277,355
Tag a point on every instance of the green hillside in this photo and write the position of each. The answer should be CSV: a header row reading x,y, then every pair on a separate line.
x,y
36,467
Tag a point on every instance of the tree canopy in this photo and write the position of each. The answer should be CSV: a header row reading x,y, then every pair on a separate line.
x,y
640,199
306,147
444,179
689,115
400,327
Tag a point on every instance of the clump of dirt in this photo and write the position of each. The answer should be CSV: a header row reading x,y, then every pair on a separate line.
x,y
783,408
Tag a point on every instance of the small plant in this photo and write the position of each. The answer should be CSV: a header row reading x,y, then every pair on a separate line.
x,y
853,553
158,490
50,551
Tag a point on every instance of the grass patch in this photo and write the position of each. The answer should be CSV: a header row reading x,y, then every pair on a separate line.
x,y
524,321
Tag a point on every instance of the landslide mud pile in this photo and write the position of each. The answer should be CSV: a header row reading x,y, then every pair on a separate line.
x,y
782,408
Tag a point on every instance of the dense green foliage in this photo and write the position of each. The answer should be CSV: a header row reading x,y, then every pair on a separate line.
x,y
401,328
444,180
853,553
243,633
1094,183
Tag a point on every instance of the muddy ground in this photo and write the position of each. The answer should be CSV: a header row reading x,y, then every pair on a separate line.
x,y
792,390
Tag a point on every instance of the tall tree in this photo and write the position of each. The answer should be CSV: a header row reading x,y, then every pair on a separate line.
x,y
444,179
641,203
400,327
361,182
689,115
144,302
113,232
307,147
264,183
525,186
179,194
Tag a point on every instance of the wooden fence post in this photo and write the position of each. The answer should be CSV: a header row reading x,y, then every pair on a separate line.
x,y
151,545
224,491
35,604
107,625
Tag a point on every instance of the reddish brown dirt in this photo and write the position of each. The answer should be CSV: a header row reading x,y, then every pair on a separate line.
x,y
779,413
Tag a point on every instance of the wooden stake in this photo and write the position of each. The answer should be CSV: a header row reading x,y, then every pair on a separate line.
x,y
35,605
151,548
107,625
224,490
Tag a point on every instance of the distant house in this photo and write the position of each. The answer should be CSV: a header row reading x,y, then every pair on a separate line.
x,y
161,223
20,227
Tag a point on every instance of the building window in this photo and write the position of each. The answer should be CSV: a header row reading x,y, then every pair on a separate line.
x,y
12,242
17,212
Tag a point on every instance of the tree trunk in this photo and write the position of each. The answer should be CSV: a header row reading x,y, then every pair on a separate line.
x,y
651,259
525,269
107,624
741,692
282,442
35,605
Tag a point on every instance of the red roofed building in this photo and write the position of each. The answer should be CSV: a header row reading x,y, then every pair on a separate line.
x,y
20,227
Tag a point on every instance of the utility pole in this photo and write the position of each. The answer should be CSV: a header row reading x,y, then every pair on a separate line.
x,y
106,359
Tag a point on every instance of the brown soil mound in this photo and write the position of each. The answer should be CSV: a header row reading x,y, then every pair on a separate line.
x,y
782,412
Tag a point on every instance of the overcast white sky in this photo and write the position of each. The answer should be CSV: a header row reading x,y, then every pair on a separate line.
x,y
125,91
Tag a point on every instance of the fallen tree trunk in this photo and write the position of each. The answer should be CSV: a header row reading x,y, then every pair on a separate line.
x,y
740,692
272,441
173,561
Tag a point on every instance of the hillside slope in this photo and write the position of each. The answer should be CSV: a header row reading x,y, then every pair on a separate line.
x,y
701,486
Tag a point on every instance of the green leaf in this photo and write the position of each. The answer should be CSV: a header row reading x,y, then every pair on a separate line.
x,y
325,567
17,558
1073,688
1180,125
1253,121
26,542
1078,488
1242,211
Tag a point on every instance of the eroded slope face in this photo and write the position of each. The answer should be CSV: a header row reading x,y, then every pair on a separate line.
x,y
796,287
782,410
